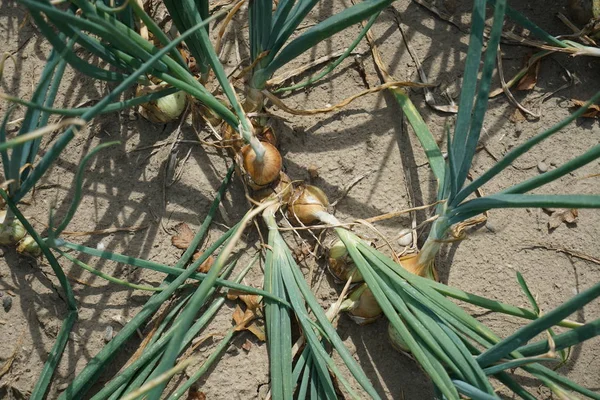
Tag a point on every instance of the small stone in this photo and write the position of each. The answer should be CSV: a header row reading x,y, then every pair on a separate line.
x,y
7,303
542,167
405,237
490,227
108,334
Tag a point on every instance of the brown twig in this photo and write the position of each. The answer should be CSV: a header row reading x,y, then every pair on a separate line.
x,y
279,79
275,100
573,253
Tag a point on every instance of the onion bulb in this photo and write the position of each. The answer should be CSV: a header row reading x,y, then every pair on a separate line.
x,y
411,264
12,231
29,246
362,305
396,340
340,264
305,204
165,109
261,173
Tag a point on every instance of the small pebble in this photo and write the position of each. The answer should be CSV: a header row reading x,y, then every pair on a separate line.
x,y
542,167
7,303
405,237
490,227
108,334
100,246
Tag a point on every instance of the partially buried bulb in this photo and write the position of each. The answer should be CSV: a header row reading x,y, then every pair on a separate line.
x,y
261,172
10,231
164,109
396,340
306,203
362,305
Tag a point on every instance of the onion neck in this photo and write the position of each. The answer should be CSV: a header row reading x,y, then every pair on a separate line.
x,y
434,241
327,218
254,100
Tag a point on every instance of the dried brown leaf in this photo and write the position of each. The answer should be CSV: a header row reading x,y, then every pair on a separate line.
x,y
559,217
257,331
529,80
238,315
592,112
184,236
206,265
252,301
245,321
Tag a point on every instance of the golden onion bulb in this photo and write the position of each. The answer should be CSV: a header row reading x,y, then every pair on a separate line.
x,y
411,264
261,173
305,204
362,305
10,232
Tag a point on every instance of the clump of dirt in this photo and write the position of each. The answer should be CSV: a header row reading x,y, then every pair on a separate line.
x,y
133,185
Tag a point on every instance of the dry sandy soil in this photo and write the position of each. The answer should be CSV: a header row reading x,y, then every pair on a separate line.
x,y
125,187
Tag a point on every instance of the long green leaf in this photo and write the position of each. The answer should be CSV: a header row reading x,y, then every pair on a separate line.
x,y
61,340
515,364
90,372
469,85
520,150
564,340
75,112
548,320
316,34
430,146
483,93
479,205
552,175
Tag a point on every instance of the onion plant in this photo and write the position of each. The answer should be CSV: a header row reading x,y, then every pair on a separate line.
x,y
309,376
453,348
456,204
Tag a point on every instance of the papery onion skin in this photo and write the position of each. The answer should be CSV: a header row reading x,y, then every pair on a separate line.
x,y
305,204
262,173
